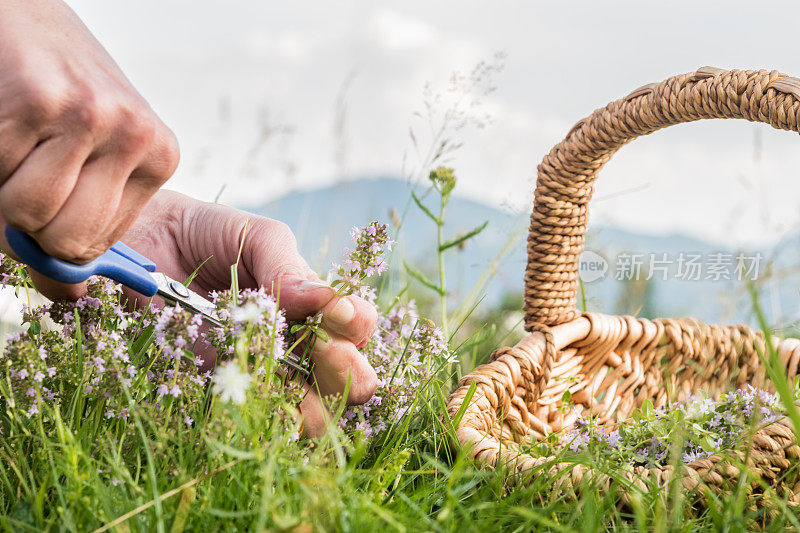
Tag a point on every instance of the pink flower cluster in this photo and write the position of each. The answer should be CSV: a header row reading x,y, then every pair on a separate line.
x,y
705,427
11,273
30,369
98,346
366,259
405,352
256,313
175,372
176,331
86,349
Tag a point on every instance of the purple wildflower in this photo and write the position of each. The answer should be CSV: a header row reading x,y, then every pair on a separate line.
x,y
366,259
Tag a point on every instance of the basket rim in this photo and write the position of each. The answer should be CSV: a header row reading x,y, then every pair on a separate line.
x,y
491,450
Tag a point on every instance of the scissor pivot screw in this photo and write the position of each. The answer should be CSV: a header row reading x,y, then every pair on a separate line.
x,y
179,289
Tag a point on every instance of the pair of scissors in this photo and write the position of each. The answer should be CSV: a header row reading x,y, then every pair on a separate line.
x,y
124,265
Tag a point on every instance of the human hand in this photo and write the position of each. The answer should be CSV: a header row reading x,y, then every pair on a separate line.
x,y
179,233
80,150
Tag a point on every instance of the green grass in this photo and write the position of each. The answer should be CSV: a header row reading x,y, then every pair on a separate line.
x,y
413,483
68,468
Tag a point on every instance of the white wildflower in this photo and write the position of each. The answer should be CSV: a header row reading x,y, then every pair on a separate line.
x,y
247,313
230,383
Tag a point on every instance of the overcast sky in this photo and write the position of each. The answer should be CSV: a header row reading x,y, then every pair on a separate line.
x,y
270,96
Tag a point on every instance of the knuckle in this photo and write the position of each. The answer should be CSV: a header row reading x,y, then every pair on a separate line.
x,y
281,232
279,242
171,151
163,153
86,112
25,212
135,127
38,104
64,247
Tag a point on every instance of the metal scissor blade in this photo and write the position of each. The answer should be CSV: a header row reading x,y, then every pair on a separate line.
x,y
293,361
176,292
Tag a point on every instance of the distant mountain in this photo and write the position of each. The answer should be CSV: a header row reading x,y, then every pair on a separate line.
x,y
322,218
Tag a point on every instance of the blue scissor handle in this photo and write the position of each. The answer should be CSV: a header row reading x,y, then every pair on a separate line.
x,y
120,263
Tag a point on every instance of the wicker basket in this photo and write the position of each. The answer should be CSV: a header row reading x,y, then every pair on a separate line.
x,y
612,364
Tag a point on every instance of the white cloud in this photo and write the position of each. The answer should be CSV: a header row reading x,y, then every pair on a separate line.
x,y
286,45
396,31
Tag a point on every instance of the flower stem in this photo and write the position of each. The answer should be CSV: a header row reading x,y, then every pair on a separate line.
x,y
442,278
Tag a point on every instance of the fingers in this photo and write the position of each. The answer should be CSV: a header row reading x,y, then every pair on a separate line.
x,y
159,165
109,194
271,254
19,142
316,416
300,296
48,287
272,258
32,196
337,363
76,204
73,232
351,317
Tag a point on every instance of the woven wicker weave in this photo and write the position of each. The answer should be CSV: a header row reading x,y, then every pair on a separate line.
x,y
612,364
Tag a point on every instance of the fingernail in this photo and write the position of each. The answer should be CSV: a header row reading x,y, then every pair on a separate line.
x,y
308,285
342,313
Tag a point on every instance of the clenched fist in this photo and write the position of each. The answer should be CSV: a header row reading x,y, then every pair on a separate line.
x,y
81,152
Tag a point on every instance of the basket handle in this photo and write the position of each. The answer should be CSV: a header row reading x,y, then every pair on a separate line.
x,y
566,175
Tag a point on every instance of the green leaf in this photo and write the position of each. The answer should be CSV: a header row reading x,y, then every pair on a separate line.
x,y
647,406
321,334
465,403
196,271
235,283
182,513
425,209
459,240
142,342
419,276
295,328
35,328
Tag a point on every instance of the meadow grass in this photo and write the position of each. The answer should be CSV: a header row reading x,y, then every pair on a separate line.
x,y
238,467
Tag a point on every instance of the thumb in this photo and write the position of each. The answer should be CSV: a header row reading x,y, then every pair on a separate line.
x,y
302,296
271,258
